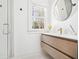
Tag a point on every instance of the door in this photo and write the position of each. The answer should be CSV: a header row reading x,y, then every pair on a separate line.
x,y
3,29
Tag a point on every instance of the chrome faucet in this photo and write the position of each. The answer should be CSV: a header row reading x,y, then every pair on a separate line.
x,y
60,30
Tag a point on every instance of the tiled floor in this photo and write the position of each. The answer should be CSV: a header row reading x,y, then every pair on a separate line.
x,y
38,56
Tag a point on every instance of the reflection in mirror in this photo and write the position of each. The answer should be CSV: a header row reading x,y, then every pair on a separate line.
x,y
62,9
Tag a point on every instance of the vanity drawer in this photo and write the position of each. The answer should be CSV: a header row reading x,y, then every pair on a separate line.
x,y
64,45
54,53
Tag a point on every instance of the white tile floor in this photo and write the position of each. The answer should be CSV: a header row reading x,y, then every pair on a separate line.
x,y
38,56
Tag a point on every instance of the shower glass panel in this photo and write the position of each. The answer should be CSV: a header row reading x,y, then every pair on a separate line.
x,y
3,30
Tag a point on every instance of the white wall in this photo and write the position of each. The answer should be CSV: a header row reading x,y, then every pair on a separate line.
x,y
24,42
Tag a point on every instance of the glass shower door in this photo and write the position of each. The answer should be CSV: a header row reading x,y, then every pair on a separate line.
x,y
3,30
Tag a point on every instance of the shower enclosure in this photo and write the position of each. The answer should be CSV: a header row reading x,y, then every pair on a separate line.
x,y
6,16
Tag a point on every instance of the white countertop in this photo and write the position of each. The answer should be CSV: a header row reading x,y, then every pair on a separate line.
x,y
74,37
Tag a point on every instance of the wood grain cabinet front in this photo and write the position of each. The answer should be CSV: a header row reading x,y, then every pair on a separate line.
x,y
54,53
65,46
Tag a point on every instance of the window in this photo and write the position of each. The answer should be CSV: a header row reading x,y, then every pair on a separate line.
x,y
37,17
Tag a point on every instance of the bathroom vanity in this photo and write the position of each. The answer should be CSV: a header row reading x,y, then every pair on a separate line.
x,y
59,47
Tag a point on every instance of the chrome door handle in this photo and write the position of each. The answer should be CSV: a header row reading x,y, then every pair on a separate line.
x,y
5,29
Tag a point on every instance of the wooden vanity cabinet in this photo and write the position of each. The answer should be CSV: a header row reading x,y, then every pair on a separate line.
x,y
58,47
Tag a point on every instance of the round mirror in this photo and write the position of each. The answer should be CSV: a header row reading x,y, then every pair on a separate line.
x,y
62,9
